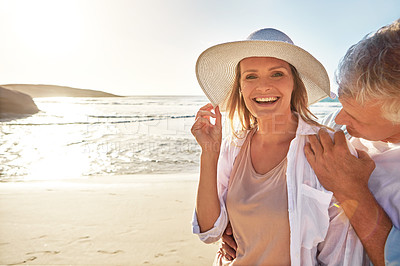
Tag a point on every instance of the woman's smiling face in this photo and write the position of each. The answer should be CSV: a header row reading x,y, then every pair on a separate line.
x,y
266,84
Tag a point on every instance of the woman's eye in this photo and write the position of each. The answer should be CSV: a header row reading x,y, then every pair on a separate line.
x,y
251,77
277,74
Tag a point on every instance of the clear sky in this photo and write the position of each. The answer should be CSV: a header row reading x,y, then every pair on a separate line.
x,y
149,47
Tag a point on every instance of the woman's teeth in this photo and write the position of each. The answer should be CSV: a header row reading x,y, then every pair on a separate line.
x,y
266,99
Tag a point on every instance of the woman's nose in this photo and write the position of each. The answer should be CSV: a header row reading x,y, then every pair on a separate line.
x,y
264,85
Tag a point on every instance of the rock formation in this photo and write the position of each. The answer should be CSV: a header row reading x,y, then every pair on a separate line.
x,y
39,90
15,102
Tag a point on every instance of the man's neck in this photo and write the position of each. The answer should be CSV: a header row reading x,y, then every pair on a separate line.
x,y
393,139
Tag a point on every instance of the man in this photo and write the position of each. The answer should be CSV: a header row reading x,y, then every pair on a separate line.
x,y
368,189
369,90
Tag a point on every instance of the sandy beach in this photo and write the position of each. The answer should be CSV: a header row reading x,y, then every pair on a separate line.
x,y
110,220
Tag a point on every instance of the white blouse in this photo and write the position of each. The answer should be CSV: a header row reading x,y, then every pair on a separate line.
x,y
320,232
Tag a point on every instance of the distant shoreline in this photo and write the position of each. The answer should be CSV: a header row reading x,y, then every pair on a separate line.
x,y
42,90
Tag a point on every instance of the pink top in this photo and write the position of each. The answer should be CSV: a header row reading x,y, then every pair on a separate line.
x,y
258,211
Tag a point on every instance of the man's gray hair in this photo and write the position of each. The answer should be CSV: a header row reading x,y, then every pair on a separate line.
x,y
370,71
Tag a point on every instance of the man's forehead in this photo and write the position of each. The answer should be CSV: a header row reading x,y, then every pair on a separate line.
x,y
369,105
350,103
359,111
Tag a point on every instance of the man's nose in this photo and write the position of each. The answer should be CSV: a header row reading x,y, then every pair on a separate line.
x,y
341,118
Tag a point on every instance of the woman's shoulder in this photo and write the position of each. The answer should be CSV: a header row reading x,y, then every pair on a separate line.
x,y
233,142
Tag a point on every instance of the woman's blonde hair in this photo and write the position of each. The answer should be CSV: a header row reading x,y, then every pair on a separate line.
x,y
370,71
236,106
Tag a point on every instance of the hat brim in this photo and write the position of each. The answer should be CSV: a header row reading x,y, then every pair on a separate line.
x,y
216,66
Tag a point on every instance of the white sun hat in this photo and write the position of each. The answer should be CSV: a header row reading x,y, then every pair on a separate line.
x,y
216,66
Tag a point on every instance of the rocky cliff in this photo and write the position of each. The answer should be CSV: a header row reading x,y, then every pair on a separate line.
x,y
15,102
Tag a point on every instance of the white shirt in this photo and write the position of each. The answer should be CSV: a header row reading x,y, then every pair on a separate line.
x,y
320,233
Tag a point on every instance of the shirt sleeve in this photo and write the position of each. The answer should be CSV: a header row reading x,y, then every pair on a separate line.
x,y
225,164
392,248
215,233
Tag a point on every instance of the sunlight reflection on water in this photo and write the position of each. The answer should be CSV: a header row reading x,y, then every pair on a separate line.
x,y
72,137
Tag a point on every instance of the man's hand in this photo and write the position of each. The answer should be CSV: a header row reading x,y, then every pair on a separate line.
x,y
228,245
336,168
347,177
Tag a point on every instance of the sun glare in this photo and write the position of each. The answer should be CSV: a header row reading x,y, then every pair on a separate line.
x,y
52,28
58,166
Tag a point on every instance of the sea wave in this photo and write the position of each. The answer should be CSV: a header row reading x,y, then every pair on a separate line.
x,y
140,119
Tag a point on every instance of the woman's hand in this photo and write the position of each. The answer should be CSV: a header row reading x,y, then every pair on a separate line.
x,y
228,245
207,135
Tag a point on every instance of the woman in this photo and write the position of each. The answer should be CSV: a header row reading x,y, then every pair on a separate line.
x,y
259,179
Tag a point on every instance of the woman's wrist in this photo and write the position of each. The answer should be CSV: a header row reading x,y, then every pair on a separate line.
x,y
209,155
211,149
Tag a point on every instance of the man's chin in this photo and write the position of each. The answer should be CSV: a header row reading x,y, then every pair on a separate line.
x,y
356,134
353,133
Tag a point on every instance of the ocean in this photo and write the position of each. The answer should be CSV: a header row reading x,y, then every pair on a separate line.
x,y
75,137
